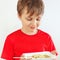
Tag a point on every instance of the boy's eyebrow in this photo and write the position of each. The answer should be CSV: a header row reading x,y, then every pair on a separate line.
x,y
31,16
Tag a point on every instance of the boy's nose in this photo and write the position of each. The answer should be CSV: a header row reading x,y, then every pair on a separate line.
x,y
34,22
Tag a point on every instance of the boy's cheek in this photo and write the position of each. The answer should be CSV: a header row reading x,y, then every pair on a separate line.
x,y
38,25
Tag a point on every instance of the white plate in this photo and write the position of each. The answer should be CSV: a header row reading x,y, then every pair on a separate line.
x,y
28,55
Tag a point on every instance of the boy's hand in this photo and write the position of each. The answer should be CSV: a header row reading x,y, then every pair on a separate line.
x,y
25,58
54,52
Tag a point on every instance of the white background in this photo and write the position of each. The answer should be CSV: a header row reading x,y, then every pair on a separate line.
x,y
50,22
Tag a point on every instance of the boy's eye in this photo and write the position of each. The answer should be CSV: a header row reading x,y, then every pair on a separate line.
x,y
29,19
38,19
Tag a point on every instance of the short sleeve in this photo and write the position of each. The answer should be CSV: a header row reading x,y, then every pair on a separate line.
x,y
7,52
51,46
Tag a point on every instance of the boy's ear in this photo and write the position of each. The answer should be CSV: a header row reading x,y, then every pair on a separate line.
x,y
18,15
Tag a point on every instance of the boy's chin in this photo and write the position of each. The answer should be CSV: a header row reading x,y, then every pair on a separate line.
x,y
33,30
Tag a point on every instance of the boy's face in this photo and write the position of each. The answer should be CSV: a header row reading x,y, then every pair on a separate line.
x,y
30,23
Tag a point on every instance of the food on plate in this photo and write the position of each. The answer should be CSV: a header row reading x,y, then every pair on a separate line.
x,y
40,56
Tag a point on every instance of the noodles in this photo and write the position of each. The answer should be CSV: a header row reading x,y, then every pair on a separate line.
x,y
40,56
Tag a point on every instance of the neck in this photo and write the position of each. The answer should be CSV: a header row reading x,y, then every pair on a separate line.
x,y
29,32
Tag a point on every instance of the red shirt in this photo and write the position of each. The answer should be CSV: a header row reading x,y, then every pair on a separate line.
x,y
18,43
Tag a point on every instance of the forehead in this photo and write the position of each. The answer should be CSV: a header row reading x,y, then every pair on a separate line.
x,y
30,13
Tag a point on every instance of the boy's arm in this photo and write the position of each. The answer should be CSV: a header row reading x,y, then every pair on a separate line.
x,y
51,46
7,52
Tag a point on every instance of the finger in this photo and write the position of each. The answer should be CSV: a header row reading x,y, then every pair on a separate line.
x,y
29,59
22,58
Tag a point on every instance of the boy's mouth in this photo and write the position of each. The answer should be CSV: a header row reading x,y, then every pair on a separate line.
x,y
32,27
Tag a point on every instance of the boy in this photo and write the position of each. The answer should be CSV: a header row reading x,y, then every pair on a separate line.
x,y
29,38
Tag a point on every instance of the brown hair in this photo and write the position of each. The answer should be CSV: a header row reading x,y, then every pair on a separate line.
x,y
32,6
